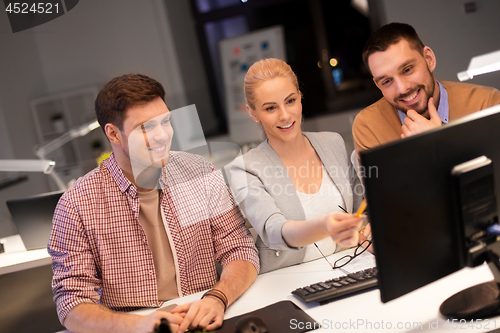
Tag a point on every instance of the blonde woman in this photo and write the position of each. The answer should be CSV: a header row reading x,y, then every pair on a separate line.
x,y
294,185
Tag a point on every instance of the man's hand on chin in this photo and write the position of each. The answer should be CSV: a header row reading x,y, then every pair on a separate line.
x,y
415,123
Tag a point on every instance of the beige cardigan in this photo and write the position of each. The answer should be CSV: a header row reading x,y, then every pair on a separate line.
x,y
380,123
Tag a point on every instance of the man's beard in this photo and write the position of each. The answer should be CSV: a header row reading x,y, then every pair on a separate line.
x,y
422,110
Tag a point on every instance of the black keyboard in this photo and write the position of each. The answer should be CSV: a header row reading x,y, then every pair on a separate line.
x,y
329,290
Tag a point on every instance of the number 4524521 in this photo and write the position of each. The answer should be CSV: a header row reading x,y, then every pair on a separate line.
x,y
35,8
470,324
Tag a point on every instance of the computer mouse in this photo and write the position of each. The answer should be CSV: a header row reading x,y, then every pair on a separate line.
x,y
164,327
251,324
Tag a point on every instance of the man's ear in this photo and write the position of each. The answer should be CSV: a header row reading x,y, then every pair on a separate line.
x,y
373,77
430,58
251,113
113,133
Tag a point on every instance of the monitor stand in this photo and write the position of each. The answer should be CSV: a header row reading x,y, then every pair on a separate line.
x,y
481,301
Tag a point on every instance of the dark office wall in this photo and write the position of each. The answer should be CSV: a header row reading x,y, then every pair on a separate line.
x,y
21,79
89,45
188,53
99,40
453,35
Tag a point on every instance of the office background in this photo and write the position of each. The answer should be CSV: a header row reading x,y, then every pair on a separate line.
x,y
98,40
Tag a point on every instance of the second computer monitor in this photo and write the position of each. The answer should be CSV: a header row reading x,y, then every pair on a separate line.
x,y
33,218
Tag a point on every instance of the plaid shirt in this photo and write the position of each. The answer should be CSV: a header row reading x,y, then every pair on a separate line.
x,y
99,250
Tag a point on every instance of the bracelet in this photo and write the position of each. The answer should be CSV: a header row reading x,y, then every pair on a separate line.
x,y
218,294
225,307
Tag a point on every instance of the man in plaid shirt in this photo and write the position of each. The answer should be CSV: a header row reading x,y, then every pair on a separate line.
x,y
146,226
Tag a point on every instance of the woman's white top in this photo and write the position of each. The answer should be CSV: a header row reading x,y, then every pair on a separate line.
x,y
326,200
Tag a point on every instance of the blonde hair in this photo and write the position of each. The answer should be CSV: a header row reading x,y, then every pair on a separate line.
x,y
264,70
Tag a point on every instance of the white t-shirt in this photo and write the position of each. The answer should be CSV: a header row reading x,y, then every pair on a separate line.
x,y
326,200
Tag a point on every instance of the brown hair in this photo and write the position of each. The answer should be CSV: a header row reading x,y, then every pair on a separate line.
x,y
264,70
391,34
121,93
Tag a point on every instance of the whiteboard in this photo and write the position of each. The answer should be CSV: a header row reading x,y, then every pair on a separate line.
x,y
237,54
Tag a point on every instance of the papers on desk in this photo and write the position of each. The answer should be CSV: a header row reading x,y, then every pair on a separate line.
x,y
361,262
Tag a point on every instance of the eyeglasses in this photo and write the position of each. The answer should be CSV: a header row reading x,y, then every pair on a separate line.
x,y
348,258
360,249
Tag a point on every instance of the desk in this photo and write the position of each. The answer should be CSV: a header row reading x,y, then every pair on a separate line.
x,y
25,290
16,258
416,311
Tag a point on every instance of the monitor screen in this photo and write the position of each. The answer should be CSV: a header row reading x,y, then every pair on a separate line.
x,y
33,218
418,237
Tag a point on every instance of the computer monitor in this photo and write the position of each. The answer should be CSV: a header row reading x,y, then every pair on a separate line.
x,y
33,218
415,207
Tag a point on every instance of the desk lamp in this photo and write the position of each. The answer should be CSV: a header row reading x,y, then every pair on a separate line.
x,y
42,151
486,63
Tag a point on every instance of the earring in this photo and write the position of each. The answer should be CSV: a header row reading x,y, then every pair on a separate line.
x,y
257,121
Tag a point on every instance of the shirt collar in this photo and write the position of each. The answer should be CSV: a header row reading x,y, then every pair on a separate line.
x,y
443,110
123,183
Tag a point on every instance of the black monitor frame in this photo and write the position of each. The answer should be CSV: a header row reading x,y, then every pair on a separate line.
x,y
418,237
33,217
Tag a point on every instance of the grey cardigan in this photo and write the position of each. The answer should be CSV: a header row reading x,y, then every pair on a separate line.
x,y
264,190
